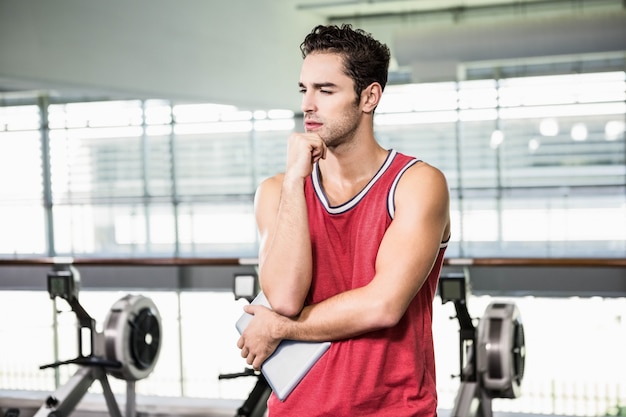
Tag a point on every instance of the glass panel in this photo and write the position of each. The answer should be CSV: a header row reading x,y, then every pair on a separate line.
x,y
218,229
20,118
551,384
115,229
479,162
562,89
199,343
429,142
270,153
30,326
572,151
210,345
158,165
22,217
22,226
210,164
418,97
86,167
560,222
479,223
132,177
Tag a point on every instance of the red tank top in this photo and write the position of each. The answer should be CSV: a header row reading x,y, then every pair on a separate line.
x,y
390,372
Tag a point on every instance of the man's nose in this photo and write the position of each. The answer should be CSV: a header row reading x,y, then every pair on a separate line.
x,y
308,102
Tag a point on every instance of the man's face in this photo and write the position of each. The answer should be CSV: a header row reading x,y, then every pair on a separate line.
x,y
328,100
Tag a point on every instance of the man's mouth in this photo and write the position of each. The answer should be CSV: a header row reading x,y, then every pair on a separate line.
x,y
311,125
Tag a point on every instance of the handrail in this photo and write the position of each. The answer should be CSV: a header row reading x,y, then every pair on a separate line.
x,y
150,261
182,261
538,262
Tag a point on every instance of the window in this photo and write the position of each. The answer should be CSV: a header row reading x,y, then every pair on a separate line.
x,y
566,372
22,212
536,167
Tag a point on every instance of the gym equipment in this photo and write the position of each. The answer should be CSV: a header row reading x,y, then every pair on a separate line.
x,y
246,286
492,356
127,348
256,403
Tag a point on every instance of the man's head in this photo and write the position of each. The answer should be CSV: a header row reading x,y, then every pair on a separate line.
x,y
365,59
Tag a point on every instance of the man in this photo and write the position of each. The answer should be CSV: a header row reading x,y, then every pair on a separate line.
x,y
352,243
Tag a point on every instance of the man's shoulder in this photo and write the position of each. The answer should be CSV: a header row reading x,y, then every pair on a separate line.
x,y
273,180
421,169
269,188
422,178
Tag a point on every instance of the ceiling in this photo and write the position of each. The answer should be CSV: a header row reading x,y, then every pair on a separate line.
x,y
245,53
351,8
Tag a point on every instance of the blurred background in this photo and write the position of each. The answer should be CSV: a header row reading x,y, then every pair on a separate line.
x,y
134,134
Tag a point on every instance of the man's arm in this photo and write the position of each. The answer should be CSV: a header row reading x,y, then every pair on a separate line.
x,y
406,256
285,258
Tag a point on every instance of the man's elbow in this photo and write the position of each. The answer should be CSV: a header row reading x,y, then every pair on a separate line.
x,y
288,306
287,309
387,315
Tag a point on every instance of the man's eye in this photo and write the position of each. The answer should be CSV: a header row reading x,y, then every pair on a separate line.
x,y
302,90
326,92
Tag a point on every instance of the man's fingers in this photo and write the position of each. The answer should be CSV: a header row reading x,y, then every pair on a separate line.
x,y
255,343
317,154
250,359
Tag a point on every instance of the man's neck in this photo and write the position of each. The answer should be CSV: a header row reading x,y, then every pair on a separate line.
x,y
347,169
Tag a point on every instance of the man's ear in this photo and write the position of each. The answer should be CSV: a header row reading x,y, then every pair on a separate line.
x,y
370,97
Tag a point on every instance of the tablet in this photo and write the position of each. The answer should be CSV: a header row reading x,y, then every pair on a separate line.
x,y
291,360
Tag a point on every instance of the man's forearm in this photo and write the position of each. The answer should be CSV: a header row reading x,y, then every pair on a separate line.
x,y
342,316
285,265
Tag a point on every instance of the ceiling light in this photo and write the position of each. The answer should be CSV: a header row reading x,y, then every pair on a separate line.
x,y
614,129
497,137
579,132
533,144
549,127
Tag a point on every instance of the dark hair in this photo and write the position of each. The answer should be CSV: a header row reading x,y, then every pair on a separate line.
x,y
366,60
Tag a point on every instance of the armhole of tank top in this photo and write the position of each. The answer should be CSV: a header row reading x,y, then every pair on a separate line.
x,y
391,205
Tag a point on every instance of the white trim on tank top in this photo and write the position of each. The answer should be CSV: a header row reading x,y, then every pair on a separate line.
x,y
354,200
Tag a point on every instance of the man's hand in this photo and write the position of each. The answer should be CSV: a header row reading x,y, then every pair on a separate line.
x,y
303,150
257,342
